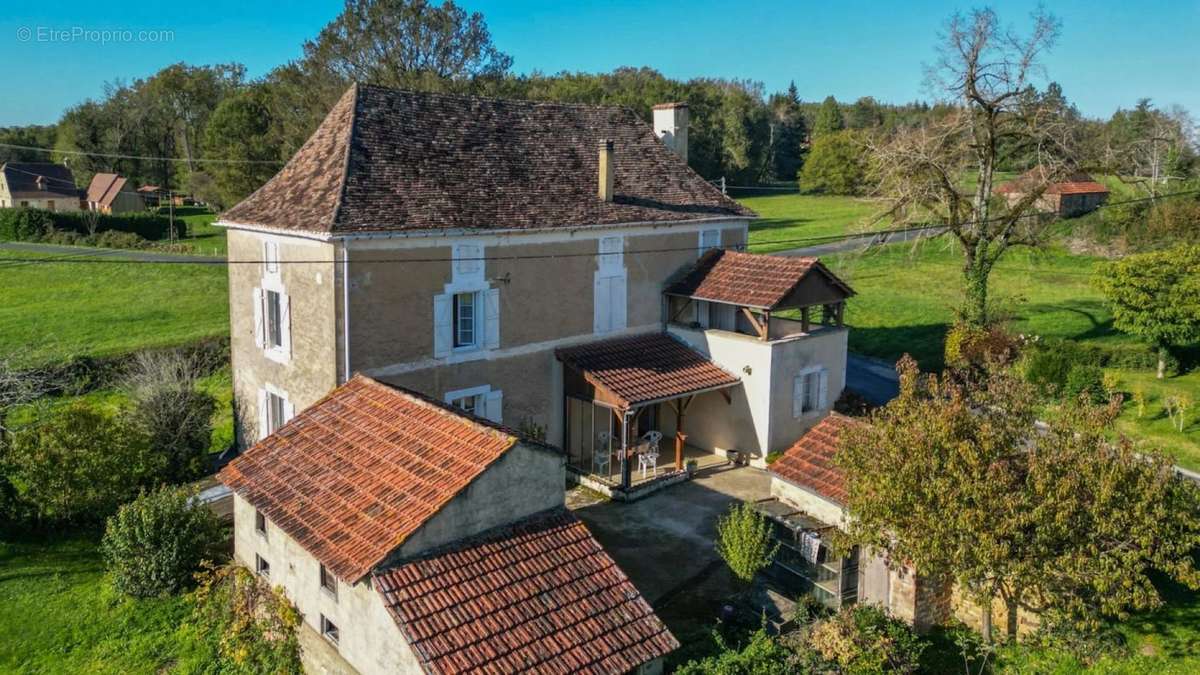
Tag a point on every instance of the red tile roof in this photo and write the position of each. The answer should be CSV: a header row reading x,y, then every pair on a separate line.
x,y
644,368
389,160
1077,183
809,462
353,476
104,188
749,279
540,595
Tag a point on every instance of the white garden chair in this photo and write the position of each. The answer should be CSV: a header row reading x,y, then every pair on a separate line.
x,y
648,458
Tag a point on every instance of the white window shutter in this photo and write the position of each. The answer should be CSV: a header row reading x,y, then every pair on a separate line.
x,y
442,325
285,324
619,303
266,257
822,389
493,406
491,329
289,410
260,334
263,423
602,317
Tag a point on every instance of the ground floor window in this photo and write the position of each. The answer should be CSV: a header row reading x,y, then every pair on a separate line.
x,y
329,629
481,401
261,566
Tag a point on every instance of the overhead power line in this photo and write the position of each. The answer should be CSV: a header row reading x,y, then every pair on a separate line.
x,y
871,238
114,155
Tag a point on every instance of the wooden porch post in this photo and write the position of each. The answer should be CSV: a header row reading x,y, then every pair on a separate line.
x,y
680,437
805,319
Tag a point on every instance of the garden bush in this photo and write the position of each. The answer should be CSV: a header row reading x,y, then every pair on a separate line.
x,y
155,544
171,410
24,224
28,224
1046,364
744,541
1085,378
77,464
117,239
864,639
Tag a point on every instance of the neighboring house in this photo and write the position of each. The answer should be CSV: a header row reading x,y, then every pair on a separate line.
x,y
38,185
808,503
152,195
108,193
484,252
415,537
1075,196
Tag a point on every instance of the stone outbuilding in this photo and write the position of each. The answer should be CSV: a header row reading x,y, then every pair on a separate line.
x,y
415,537
1075,196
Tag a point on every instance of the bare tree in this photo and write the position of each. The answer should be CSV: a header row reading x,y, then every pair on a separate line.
x,y
21,384
944,171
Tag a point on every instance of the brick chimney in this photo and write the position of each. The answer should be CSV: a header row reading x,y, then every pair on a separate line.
x,y
671,125
606,170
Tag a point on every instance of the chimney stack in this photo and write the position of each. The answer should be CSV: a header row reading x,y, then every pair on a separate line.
x,y
606,170
671,125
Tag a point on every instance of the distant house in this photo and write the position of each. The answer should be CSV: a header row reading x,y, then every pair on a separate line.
x,y
108,193
415,537
1077,195
38,185
152,195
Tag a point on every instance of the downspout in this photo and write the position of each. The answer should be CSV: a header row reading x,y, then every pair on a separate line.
x,y
345,312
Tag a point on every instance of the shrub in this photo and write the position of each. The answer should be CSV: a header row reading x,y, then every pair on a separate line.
x,y
744,541
24,224
864,639
1085,379
1047,364
77,463
969,346
171,410
154,545
762,654
836,164
1170,221
239,624
115,239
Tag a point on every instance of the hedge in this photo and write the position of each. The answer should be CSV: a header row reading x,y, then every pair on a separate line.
x,y
28,224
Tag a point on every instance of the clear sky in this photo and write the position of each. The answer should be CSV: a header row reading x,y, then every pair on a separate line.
x,y
1111,53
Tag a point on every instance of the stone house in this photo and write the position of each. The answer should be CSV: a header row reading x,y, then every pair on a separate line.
x,y
108,193
1078,194
416,537
808,502
38,185
537,264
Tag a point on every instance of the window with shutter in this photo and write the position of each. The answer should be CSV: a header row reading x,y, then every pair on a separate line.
x,y
809,391
610,301
443,340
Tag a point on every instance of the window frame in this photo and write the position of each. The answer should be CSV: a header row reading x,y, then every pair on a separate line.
x,y
330,630
273,319
260,523
456,321
262,566
328,582
276,411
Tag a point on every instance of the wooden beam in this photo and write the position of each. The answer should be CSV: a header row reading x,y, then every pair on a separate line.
x,y
806,318
841,313
758,327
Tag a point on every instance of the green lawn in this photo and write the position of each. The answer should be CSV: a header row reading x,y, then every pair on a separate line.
x,y
57,615
203,238
787,217
61,310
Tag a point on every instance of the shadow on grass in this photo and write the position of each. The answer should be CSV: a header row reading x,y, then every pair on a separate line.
x,y
772,223
924,342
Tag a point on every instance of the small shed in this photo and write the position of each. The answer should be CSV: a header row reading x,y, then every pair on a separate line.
x,y
1075,196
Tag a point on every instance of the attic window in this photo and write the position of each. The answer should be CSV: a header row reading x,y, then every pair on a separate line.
x,y
260,523
328,582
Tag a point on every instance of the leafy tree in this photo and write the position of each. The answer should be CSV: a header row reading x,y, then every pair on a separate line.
x,y
836,164
744,541
1155,296
239,625
154,545
187,96
944,170
77,463
829,118
241,129
951,477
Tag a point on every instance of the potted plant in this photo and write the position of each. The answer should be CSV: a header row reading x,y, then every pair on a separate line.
x,y
691,465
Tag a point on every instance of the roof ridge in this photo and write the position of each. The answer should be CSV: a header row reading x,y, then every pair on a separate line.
x,y
337,204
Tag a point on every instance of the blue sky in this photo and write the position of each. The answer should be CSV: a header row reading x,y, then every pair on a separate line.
x,y
1111,53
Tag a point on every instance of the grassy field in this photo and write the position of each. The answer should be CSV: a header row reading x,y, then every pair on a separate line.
x,y
58,310
57,615
203,238
789,217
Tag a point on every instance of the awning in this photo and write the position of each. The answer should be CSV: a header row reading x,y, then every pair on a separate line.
x,y
640,370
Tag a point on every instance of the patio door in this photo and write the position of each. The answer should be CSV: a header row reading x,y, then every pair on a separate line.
x,y
592,436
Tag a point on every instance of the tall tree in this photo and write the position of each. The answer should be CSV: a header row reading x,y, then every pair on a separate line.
x,y
829,118
1156,296
788,133
240,131
945,170
952,477
188,95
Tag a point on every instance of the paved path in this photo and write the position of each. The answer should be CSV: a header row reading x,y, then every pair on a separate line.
x,y
107,253
865,241
873,379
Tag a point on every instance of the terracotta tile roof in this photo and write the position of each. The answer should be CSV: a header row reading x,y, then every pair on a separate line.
x,y
39,180
1077,183
750,279
386,160
644,368
104,188
809,462
352,476
540,595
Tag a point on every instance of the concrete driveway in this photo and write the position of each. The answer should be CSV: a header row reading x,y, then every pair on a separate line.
x,y
873,379
665,542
